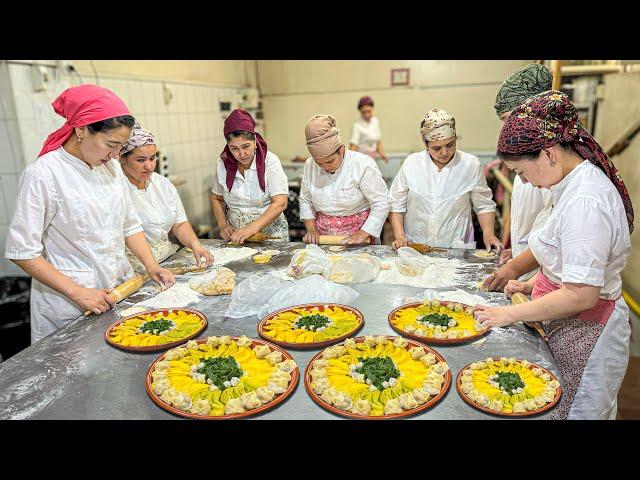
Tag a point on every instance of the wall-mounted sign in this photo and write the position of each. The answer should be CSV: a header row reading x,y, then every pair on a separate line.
x,y
399,76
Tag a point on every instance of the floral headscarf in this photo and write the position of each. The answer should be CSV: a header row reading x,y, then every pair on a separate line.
x,y
525,83
138,138
549,118
437,125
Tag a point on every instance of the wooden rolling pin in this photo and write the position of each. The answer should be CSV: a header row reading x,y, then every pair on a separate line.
x,y
518,298
331,239
257,238
423,248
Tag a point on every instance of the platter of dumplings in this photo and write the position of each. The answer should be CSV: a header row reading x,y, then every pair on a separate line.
x,y
156,330
508,387
311,325
221,378
378,377
436,321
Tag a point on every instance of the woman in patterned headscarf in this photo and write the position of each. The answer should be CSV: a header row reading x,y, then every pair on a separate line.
x,y
156,201
434,191
582,248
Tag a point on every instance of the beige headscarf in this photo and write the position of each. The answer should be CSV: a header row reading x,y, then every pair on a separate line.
x,y
437,125
323,138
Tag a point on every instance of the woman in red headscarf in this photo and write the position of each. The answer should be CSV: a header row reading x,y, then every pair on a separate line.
x,y
365,133
582,247
250,182
74,214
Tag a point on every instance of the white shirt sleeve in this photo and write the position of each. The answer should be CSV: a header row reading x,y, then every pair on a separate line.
x,y
307,211
481,196
399,192
586,236
355,134
216,187
275,178
35,208
181,215
375,190
132,223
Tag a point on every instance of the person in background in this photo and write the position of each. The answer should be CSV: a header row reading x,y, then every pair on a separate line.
x,y
74,214
582,248
365,133
435,189
342,191
529,205
156,201
250,182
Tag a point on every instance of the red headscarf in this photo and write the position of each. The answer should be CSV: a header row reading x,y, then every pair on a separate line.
x,y
241,120
549,118
82,106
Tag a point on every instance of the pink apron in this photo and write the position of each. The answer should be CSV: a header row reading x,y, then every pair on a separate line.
x,y
347,225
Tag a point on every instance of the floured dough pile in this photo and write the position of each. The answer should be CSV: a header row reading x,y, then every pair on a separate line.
x,y
221,281
222,256
484,254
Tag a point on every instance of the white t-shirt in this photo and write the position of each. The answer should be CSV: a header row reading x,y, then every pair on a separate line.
x,y
159,207
366,135
586,238
437,204
246,194
356,186
527,202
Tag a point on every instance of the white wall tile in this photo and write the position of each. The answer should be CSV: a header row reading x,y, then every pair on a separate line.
x,y
8,163
148,97
20,76
136,97
9,193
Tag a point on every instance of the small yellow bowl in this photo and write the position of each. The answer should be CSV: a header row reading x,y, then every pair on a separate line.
x,y
261,258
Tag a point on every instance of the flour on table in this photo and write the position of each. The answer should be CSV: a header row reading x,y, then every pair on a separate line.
x,y
180,295
131,311
441,272
222,256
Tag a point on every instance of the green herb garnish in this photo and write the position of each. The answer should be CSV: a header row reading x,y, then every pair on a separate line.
x,y
156,326
220,370
438,319
509,381
378,370
312,322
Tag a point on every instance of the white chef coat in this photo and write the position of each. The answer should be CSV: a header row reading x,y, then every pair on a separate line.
x,y
586,240
158,206
356,186
437,204
366,135
246,194
77,218
527,202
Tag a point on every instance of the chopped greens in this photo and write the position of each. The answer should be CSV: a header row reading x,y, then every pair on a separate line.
x,y
157,326
378,370
312,322
509,382
220,370
436,319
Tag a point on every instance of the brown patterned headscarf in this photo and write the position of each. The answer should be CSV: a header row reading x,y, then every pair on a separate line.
x,y
437,125
138,138
549,118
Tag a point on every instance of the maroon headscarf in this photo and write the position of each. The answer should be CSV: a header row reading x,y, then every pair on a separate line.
x,y
549,118
365,101
241,120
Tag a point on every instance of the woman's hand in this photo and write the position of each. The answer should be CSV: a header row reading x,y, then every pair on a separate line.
x,y
311,237
499,279
201,253
493,316
515,286
358,238
505,256
491,241
92,299
401,241
240,235
161,276
227,231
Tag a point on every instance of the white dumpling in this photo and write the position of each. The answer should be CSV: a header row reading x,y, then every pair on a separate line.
x,y
489,362
192,345
225,340
540,401
182,401
361,407
467,373
244,341
328,395
281,374
250,400
274,358
439,334
213,341
265,394
407,401
319,386
524,363
467,388
420,396
537,372
369,341
546,377
342,401
431,388
482,400
519,407
318,373
201,407
163,365
435,377
350,343
420,332
171,355
159,386
409,329
329,353
428,359
278,385
381,339
554,384
286,366
261,351
416,352
392,406
400,342
320,363
340,350
496,405
440,367
234,405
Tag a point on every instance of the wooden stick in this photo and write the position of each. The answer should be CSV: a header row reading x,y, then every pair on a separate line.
x,y
518,298
331,239
125,289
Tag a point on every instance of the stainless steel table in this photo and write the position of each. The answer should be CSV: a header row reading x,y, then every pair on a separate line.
x,y
75,374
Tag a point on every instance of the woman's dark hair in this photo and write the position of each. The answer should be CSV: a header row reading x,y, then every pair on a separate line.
x,y
514,157
241,133
112,123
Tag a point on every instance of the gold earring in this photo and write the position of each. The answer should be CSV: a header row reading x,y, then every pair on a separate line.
x,y
79,139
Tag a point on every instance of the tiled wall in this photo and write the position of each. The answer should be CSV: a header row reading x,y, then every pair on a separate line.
x,y
188,130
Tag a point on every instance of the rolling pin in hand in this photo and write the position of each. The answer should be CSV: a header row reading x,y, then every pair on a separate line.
x,y
125,289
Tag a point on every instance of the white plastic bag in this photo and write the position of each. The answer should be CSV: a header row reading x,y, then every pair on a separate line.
x,y
254,292
311,260
353,268
410,262
220,281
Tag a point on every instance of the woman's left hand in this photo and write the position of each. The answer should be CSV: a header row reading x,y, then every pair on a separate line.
x,y
203,256
357,238
491,241
162,276
240,235
493,316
